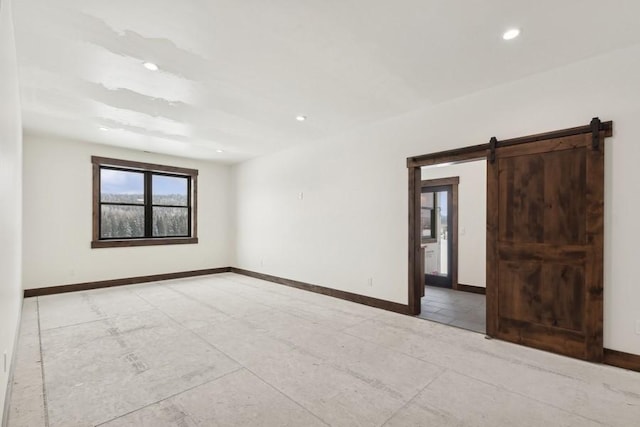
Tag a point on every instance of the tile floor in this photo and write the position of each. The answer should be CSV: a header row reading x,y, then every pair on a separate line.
x,y
230,350
456,308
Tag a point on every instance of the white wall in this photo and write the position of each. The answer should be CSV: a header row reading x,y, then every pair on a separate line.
x,y
472,217
58,215
10,195
352,222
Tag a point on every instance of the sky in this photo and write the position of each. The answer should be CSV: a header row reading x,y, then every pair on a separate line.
x,y
121,182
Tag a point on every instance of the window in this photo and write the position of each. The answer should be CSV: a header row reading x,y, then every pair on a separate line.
x,y
138,204
428,217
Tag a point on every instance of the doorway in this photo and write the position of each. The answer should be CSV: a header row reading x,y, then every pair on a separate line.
x,y
544,242
452,200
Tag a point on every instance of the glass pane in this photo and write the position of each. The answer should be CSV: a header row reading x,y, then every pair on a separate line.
x,y
121,186
121,221
170,222
443,232
170,190
435,232
427,200
427,216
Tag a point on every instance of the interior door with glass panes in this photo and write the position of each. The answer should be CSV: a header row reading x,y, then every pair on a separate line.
x,y
436,225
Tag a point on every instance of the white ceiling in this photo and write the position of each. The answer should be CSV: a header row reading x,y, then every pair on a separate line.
x,y
235,73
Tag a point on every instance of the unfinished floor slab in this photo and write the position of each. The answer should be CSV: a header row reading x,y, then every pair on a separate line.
x,y
237,351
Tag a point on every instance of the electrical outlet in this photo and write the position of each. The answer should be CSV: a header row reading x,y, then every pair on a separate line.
x,y
638,327
370,282
261,262
301,195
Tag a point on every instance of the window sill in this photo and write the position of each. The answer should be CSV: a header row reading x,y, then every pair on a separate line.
x,y
143,242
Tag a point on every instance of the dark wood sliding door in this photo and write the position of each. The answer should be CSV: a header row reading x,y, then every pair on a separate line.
x,y
545,242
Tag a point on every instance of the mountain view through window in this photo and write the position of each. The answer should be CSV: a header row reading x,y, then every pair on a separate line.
x,y
125,207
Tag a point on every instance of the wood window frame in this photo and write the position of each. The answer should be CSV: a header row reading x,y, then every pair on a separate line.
x,y
118,164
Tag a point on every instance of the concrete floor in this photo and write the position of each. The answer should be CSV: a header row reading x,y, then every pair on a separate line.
x,y
230,350
456,308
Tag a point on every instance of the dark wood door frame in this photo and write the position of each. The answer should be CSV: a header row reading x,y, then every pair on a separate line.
x,y
598,129
451,182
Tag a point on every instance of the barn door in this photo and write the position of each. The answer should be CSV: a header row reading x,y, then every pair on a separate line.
x,y
545,242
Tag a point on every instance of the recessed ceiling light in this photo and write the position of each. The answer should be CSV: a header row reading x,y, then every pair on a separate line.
x,y
511,34
219,151
301,118
150,66
104,128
